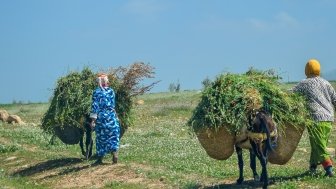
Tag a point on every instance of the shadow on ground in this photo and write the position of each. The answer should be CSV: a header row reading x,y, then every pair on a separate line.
x,y
245,184
51,165
254,184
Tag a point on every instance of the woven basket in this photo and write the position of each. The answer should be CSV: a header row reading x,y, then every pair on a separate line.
x,y
218,144
71,134
68,134
286,146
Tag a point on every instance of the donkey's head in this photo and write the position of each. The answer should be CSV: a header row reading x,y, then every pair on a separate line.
x,y
262,122
262,129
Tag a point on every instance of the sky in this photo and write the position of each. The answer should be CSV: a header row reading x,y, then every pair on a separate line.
x,y
185,41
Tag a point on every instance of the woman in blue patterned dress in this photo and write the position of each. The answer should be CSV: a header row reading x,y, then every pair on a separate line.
x,y
104,120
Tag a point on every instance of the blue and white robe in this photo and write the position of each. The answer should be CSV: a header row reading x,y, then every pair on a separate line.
x,y
107,124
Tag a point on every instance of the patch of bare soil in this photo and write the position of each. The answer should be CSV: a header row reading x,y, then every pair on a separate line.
x,y
78,173
98,176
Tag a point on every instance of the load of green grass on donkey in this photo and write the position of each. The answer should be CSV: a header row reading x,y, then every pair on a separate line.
x,y
221,117
70,104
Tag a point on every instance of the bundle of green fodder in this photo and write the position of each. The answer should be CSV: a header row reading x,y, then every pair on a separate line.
x,y
225,106
71,102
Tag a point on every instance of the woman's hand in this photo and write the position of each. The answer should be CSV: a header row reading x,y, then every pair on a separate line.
x,y
93,124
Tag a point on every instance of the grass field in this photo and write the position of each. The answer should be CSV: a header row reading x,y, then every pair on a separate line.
x,y
159,151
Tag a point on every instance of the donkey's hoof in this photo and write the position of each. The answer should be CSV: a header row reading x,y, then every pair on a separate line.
x,y
240,180
266,184
262,179
256,178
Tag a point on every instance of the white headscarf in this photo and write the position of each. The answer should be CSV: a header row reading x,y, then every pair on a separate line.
x,y
102,78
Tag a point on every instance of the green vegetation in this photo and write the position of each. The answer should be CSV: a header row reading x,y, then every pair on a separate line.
x,y
159,151
231,98
8,148
71,101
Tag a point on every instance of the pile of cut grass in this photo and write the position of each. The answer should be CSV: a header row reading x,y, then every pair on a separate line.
x,y
71,101
72,98
229,100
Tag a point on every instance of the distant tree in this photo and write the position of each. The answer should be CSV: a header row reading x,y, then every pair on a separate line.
x,y
178,87
172,87
17,102
206,82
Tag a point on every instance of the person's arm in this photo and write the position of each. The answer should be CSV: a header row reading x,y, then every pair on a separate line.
x,y
93,123
294,89
94,109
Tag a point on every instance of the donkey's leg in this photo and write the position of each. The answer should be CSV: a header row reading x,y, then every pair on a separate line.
x,y
82,145
239,152
88,137
253,165
264,174
88,142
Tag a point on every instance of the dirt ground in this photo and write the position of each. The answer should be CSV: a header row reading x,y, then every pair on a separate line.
x,y
79,173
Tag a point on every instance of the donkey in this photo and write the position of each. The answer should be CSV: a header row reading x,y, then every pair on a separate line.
x,y
87,130
262,136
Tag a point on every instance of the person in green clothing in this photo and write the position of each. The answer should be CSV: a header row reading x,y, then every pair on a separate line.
x,y
321,98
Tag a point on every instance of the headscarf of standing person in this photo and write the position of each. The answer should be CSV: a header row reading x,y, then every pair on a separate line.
x,y
313,68
102,80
